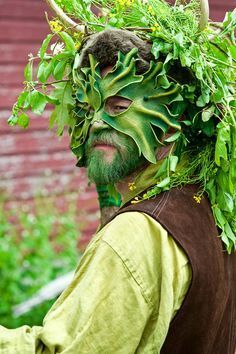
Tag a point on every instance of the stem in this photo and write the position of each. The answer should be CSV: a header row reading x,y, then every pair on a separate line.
x,y
96,24
138,29
223,63
52,82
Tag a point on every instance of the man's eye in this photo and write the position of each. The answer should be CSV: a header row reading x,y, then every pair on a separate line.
x,y
120,108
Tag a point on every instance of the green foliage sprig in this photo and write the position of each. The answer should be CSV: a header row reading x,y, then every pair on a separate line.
x,y
48,80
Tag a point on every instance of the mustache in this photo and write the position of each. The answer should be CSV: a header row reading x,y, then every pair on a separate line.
x,y
104,137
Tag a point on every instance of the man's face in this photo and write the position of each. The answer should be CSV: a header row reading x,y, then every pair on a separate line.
x,y
110,155
139,106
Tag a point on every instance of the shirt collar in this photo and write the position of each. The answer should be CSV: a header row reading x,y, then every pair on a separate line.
x,y
142,181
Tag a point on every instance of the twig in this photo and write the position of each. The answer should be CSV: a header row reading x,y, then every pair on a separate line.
x,y
64,17
52,82
138,29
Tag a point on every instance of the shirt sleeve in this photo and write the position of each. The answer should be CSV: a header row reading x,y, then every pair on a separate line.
x,y
96,314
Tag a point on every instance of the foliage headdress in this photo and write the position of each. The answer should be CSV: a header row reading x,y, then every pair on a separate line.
x,y
179,72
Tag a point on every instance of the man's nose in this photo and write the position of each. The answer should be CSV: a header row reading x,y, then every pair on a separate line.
x,y
98,125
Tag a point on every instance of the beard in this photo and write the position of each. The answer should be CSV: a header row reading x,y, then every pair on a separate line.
x,y
125,158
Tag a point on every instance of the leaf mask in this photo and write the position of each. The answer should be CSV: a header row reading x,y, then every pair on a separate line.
x,y
150,114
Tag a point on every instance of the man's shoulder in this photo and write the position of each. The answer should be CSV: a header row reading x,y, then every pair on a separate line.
x,y
145,248
137,233
133,228
136,236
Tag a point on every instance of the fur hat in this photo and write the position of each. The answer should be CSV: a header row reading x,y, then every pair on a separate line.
x,y
105,45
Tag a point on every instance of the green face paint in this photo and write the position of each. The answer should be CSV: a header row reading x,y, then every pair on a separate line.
x,y
149,115
125,158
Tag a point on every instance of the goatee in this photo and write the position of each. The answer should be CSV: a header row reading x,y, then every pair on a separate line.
x,y
125,159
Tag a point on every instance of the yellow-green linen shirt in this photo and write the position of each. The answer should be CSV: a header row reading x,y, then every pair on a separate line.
x,y
128,286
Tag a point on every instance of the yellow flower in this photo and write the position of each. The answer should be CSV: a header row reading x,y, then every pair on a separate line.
x,y
77,45
55,25
197,198
155,28
78,35
151,11
132,186
125,3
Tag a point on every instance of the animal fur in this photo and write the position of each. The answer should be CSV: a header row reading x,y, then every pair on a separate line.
x,y
105,45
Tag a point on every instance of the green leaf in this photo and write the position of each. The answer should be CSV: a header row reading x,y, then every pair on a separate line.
x,y
44,46
64,94
159,47
59,70
44,70
204,99
188,123
173,161
230,233
221,149
41,73
162,169
38,102
173,137
211,190
76,61
164,183
54,101
23,120
185,59
68,40
64,55
22,98
227,201
199,72
52,119
48,70
232,49
208,113
113,21
12,120
179,39
225,239
220,218
28,72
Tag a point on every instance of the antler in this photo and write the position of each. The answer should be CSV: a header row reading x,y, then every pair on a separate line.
x,y
64,18
204,5
204,8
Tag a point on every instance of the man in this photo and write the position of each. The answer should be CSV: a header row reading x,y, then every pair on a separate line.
x,y
154,279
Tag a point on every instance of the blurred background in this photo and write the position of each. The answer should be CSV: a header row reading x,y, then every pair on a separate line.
x,y
47,210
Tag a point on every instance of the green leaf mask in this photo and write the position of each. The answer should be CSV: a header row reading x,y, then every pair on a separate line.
x,y
149,115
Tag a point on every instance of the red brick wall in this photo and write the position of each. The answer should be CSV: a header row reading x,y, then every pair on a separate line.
x,y
34,162
219,7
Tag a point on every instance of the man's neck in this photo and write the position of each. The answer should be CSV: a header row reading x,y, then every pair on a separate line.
x,y
137,182
123,187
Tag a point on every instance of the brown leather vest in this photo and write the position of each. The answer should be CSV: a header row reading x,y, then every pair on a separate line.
x,y
206,322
